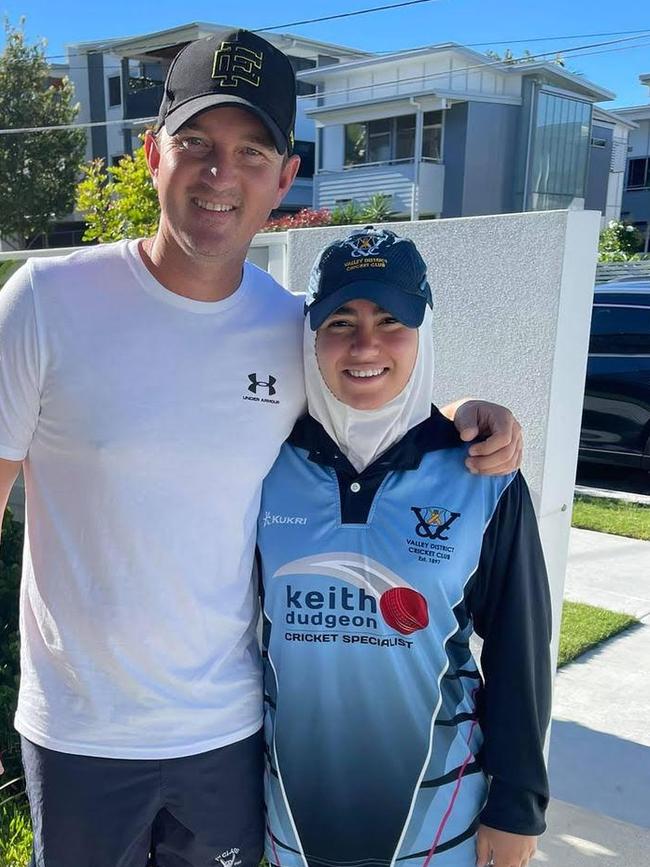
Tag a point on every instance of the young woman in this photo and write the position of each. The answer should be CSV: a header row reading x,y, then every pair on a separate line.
x,y
380,554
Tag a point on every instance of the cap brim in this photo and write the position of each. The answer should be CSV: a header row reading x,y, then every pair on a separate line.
x,y
183,113
408,309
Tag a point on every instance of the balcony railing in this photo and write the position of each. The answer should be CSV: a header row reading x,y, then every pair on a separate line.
x,y
394,178
143,98
396,162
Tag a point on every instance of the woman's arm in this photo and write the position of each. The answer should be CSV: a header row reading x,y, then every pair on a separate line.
x,y
510,604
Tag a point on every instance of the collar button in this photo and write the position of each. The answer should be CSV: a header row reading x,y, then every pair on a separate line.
x,y
355,487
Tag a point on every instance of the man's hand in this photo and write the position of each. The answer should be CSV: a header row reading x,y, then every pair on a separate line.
x,y
501,849
501,452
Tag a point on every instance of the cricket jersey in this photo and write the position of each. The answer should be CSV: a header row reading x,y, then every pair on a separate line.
x,y
384,743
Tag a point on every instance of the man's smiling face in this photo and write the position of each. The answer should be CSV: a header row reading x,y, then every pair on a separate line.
x,y
217,179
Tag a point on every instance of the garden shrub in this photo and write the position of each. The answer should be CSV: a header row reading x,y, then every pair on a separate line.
x,y
11,550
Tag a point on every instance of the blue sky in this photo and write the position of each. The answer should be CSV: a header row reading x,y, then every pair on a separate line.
x,y
498,24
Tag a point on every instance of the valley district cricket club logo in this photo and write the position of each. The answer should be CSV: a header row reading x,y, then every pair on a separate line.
x,y
367,243
433,521
402,607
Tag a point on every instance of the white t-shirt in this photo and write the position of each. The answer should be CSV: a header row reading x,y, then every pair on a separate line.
x,y
147,422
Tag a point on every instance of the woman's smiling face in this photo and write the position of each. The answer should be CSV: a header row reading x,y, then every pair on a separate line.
x,y
365,355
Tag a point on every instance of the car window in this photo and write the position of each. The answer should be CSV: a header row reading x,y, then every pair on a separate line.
x,y
620,330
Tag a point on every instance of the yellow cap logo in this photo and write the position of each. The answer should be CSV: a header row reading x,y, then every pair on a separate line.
x,y
234,64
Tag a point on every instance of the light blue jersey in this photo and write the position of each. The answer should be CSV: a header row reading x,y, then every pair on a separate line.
x,y
372,725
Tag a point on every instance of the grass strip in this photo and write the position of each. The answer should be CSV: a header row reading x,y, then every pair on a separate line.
x,y
612,516
7,268
585,626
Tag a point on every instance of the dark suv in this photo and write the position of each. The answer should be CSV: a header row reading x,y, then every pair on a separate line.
x,y
616,413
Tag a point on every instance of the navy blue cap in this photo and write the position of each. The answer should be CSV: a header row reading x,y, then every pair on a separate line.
x,y
374,264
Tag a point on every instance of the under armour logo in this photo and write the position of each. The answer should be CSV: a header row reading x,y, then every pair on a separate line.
x,y
235,64
256,383
434,521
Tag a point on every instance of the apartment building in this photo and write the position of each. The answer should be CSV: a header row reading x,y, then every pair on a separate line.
x,y
448,132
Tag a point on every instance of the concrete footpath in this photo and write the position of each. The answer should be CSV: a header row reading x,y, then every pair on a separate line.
x,y
600,739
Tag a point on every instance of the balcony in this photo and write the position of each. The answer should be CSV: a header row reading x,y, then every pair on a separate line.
x,y
143,98
395,178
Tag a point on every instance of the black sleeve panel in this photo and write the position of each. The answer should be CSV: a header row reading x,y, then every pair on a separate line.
x,y
510,604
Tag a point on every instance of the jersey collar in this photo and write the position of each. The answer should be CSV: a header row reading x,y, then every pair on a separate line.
x,y
432,434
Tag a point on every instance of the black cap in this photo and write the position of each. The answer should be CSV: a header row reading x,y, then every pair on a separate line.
x,y
240,69
374,264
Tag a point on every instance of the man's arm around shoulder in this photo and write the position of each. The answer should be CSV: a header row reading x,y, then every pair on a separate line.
x,y
501,449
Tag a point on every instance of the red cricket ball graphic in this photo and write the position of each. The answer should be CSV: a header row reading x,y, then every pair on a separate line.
x,y
404,609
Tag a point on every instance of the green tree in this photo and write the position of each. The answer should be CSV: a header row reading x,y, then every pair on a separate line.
x,y
119,201
526,57
619,242
38,170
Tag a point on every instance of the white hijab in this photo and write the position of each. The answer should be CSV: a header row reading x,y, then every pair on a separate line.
x,y
364,434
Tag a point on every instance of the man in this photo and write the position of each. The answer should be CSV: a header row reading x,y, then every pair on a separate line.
x,y
146,388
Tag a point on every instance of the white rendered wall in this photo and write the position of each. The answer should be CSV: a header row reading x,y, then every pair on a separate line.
x,y
513,298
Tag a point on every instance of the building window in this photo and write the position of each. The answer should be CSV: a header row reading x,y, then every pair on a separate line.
x,y
599,142
114,90
143,76
404,137
306,151
560,152
355,143
379,141
392,139
298,64
432,136
638,173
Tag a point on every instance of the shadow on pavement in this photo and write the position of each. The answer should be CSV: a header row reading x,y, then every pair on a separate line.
x,y
600,772
578,838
